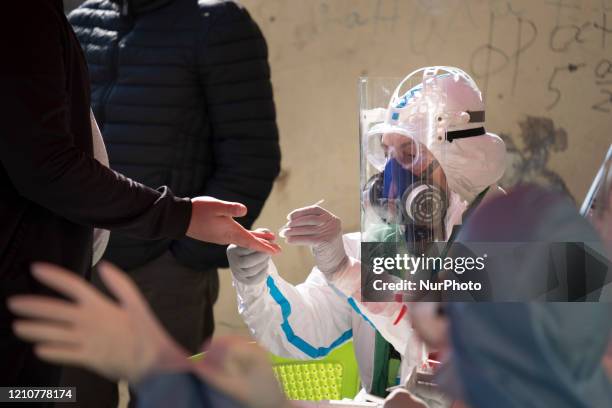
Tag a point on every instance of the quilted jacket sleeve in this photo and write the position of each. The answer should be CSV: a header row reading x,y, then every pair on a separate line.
x,y
235,79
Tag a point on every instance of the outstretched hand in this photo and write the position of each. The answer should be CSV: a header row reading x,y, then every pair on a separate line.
x,y
213,221
120,340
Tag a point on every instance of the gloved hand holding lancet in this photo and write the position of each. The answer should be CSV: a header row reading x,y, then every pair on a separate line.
x,y
322,231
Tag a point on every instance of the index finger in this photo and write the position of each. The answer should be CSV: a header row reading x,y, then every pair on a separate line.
x,y
246,239
264,234
300,212
306,220
43,308
65,282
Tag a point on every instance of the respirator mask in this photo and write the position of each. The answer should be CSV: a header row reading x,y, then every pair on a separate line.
x,y
415,202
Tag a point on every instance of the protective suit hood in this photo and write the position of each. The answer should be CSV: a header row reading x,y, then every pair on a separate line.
x,y
472,164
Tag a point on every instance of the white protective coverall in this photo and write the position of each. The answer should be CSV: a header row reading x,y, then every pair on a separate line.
x,y
309,320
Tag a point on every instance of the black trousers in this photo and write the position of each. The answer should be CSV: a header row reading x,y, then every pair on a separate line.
x,y
181,298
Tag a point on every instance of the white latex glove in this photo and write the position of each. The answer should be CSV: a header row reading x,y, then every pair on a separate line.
x,y
322,231
213,221
120,340
247,265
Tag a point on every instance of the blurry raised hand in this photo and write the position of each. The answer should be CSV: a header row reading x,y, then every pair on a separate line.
x,y
213,221
322,231
118,340
123,340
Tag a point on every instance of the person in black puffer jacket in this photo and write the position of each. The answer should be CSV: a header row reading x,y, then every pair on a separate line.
x,y
181,90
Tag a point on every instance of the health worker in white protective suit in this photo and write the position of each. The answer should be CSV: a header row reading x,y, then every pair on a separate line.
x,y
429,159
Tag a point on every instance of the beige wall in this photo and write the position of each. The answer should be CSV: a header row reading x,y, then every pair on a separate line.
x,y
545,71
519,53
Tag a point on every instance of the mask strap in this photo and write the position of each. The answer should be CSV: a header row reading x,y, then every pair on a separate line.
x,y
462,134
432,167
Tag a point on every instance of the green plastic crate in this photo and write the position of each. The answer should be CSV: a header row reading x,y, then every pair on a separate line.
x,y
334,377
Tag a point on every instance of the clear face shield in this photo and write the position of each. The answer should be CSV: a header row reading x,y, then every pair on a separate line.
x,y
406,130
404,189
